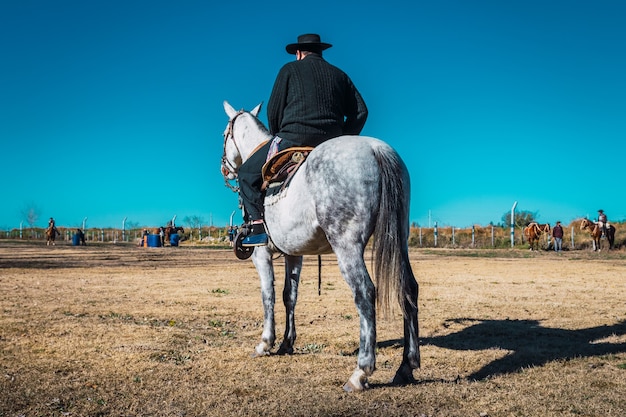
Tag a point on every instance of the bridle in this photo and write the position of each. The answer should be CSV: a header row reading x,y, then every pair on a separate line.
x,y
227,166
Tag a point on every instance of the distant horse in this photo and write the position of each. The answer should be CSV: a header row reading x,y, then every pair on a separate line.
x,y
349,189
170,230
534,231
596,233
51,234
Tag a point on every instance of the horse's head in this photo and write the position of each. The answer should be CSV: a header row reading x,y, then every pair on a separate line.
x,y
585,223
240,139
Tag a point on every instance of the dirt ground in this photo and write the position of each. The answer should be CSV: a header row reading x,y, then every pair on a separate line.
x,y
119,330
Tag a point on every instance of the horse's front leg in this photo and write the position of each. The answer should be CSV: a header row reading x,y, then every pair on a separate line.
x,y
293,266
262,259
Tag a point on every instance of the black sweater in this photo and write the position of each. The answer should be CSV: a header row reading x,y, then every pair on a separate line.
x,y
313,101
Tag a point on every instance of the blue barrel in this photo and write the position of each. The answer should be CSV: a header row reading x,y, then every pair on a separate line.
x,y
154,241
174,239
75,240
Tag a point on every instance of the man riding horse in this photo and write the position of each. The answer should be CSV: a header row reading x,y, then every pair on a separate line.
x,y
311,101
595,231
602,220
51,232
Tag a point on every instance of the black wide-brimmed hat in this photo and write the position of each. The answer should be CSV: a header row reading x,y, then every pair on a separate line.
x,y
308,42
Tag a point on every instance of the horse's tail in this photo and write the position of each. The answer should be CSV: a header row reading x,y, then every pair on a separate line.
x,y
392,270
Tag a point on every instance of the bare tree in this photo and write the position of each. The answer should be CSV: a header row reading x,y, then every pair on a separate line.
x,y
31,214
194,222
130,225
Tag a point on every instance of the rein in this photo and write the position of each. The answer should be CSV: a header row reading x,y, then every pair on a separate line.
x,y
230,169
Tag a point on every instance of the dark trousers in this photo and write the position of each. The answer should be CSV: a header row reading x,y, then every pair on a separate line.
x,y
250,181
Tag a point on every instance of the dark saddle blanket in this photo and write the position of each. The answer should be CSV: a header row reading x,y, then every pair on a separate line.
x,y
279,170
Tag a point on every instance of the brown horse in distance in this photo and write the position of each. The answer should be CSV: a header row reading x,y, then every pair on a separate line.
x,y
533,232
51,234
170,230
596,233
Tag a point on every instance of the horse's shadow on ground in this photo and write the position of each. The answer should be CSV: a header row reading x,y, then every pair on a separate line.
x,y
530,343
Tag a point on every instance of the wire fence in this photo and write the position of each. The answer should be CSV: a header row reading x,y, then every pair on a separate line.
x,y
112,235
490,237
475,237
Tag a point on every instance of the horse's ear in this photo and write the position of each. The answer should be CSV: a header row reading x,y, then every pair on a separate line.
x,y
255,111
230,111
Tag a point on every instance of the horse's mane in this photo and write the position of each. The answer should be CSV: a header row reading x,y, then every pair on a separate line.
x,y
259,124
585,222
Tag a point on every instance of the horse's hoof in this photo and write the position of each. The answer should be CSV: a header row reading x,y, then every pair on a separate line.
x,y
402,378
357,382
262,349
285,350
350,387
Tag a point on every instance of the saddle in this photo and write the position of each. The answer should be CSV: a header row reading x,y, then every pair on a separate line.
x,y
280,168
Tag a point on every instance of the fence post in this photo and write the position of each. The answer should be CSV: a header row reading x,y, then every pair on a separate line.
x,y
473,236
435,232
572,233
421,245
493,243
513,224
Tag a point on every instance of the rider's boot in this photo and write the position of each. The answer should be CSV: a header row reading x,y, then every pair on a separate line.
x,y
256,236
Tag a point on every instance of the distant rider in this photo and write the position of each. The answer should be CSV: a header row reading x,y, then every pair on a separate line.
x,y
52,225
602,221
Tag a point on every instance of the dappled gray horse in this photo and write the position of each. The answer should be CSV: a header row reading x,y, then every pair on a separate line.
x,y
349,189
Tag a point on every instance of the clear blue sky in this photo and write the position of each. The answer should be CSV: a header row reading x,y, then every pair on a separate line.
x,y
113,109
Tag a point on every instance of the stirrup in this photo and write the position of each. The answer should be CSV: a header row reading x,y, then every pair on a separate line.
x,y
259,239
249,237
242,252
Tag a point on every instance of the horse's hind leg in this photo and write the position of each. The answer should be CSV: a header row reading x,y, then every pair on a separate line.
x,y
355,273
411,353
293,266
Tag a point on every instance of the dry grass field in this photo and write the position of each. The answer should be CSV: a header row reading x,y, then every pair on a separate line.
x,y
119,330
